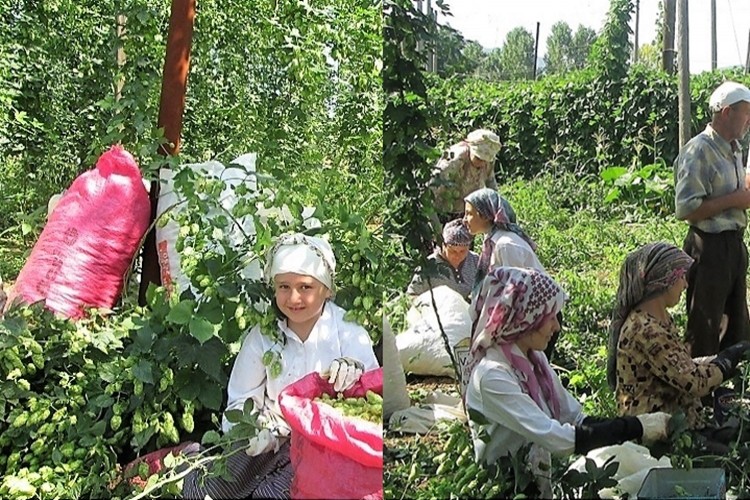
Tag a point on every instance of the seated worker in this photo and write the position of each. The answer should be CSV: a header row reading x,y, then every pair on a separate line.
x,y
314,337
463,168
649,366
514,398
455,265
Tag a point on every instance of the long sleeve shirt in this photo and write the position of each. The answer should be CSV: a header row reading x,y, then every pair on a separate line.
x,y
655,371
512,250
455,178
513,418
461,280
332,337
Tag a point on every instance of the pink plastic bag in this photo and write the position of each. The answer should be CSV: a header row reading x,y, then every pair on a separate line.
x,y
88,244
333,456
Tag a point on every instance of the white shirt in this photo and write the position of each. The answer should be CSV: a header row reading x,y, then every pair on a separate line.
x,y
332,337
514,418
512,250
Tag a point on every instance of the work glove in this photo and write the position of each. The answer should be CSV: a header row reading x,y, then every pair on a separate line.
x,y
344,372
654,426
262,442
727,359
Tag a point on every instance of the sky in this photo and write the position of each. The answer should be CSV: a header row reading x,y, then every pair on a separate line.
x,y
489,21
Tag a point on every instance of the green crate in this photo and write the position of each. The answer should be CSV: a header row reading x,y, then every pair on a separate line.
x,y
681,484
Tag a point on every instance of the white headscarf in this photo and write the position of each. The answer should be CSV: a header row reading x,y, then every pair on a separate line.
x,y
484,144
302,254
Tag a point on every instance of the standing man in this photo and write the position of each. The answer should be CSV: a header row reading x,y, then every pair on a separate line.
x,y
464,168
711,195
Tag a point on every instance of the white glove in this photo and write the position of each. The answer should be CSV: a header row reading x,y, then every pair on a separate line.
x,y
654,426
344,372
262,442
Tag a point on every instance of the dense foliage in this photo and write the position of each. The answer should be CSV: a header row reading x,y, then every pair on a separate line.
x,y
299,84
586,164
576,120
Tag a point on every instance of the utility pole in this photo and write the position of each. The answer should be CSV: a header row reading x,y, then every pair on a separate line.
x,y
637,19
536,48
713,35
683,82
747,58
667,58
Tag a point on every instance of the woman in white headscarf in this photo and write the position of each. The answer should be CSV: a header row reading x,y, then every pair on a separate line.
x,y
513,396
313,337
463,168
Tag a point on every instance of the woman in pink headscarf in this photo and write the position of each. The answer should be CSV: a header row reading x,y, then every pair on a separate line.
x,y
513,397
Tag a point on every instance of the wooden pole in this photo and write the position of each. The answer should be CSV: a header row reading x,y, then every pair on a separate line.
x,y
667,58
637,23
747,57
431,55
683,82
434,47
713,35
536,49
171,107
120,57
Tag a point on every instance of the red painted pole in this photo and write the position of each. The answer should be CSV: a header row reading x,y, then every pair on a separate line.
x,y
171,108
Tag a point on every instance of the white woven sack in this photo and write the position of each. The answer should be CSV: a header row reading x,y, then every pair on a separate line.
x,y
166,236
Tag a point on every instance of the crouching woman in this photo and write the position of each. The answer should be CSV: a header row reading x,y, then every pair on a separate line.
x,y
312,337
514,398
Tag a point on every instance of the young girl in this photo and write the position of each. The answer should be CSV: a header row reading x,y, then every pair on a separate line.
x,y
314,337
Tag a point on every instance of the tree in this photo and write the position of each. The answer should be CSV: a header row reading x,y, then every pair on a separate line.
x,y
583,40
491,66
610,55
559,45
517,55
455,54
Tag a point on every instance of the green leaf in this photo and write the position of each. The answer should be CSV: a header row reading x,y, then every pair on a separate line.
x,y
210,438
102,401
210,396
144,339
98,428
142,371
613,173
201,329
182,313
233,416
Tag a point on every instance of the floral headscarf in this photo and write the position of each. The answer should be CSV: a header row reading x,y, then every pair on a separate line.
x,y
511,303
646,273
496,209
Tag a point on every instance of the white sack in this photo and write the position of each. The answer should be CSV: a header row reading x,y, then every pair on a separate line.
x,y
166,236
421,346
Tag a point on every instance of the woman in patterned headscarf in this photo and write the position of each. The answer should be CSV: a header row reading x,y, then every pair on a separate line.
x,y
513,396
505,243
649,366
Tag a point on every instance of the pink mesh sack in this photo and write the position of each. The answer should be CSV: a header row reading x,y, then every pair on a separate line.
x,y
88,244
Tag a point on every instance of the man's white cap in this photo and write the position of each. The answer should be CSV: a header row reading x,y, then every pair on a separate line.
x,y
726,94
